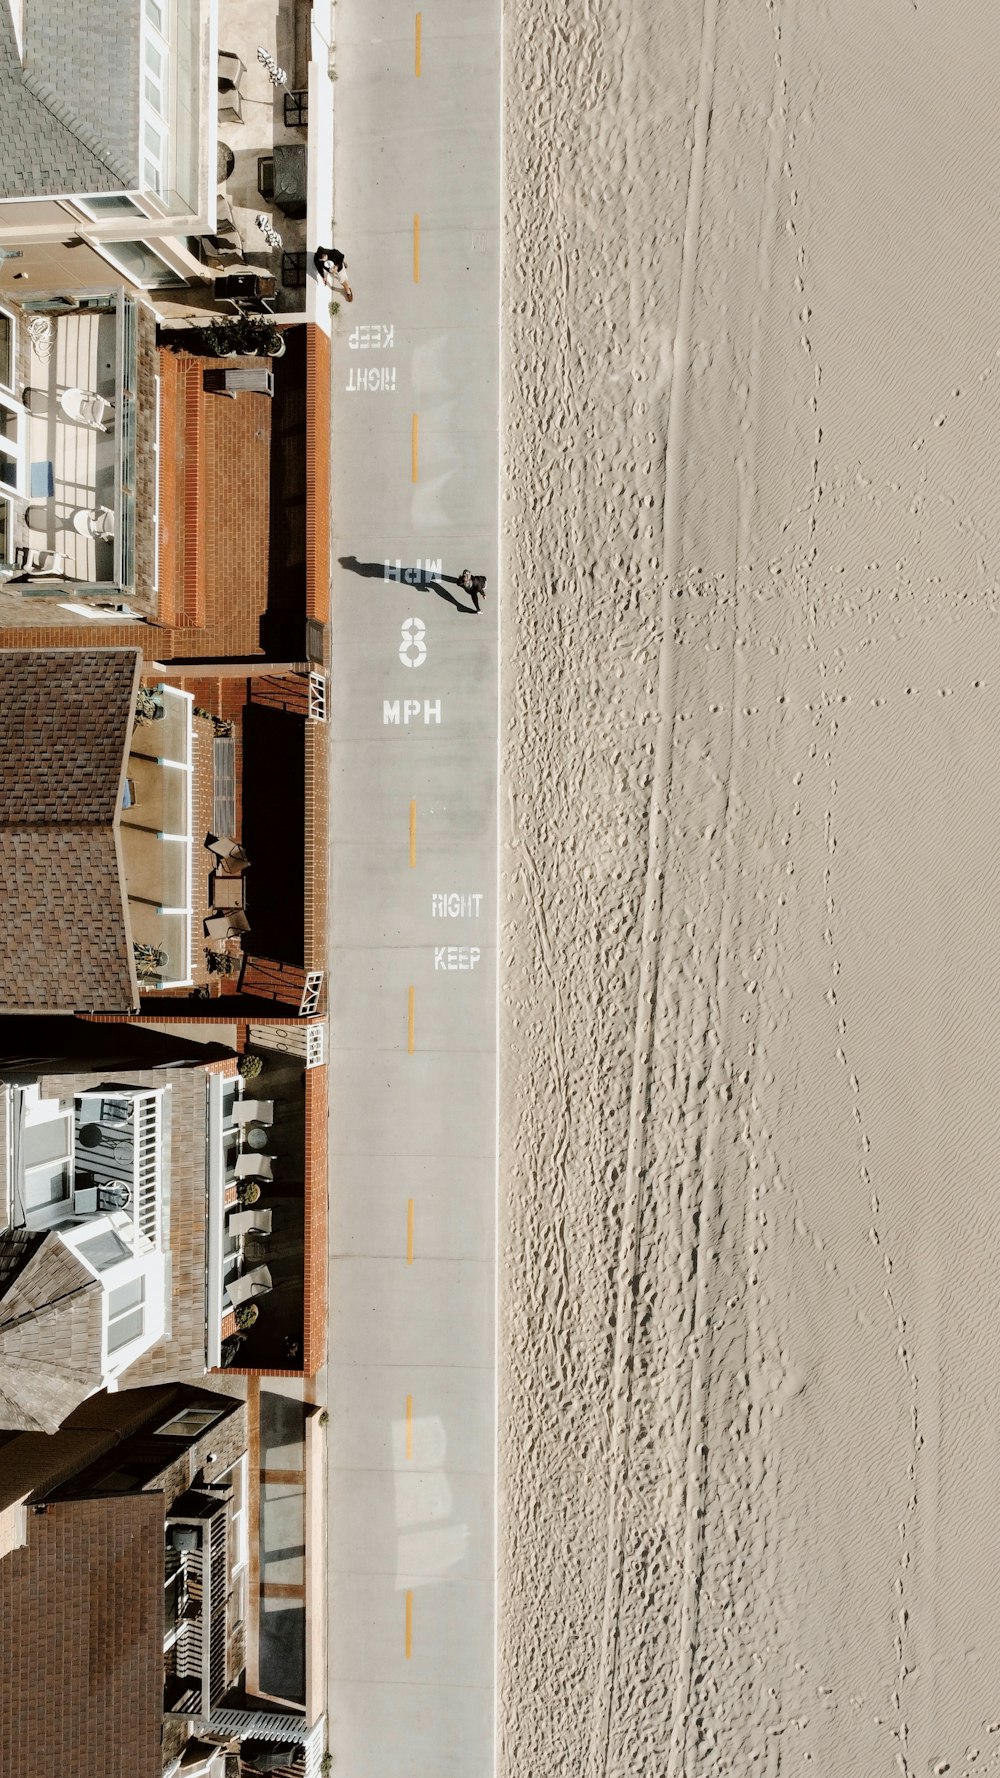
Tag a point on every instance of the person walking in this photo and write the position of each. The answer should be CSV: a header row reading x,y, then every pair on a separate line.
x,y
474,585
330,264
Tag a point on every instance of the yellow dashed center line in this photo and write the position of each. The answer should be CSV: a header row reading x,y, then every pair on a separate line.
x,y
416,249
417,35
409,1625
409,1231
411,997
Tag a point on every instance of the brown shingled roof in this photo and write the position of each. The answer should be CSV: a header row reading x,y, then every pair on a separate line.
x,y
82,1675
65,726
51,1328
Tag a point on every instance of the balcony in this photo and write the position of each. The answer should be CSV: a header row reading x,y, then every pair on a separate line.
x,y
196,1596
119,1151
87,367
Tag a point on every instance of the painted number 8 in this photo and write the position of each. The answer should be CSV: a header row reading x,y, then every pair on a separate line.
x,y
413,648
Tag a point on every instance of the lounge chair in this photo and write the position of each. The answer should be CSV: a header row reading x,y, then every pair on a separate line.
x,y
252,1284
229,854
253,1166
249,1222
254,1111
228,925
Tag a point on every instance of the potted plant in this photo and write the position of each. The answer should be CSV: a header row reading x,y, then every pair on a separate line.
x,y
150,961
250,1066
233,336
247,1193
222,962
246,1315
231,1346
148,707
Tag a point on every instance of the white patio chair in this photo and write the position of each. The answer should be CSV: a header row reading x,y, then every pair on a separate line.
x,y
39,561
253,1166
249,1222
88,408
254,1111
252,1284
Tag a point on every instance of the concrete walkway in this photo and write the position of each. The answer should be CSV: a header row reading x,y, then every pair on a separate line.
x,y
413,892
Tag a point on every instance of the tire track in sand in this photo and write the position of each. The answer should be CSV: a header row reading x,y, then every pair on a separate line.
x,y
627,1304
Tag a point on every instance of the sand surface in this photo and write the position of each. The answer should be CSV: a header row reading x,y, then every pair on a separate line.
x,y
751,968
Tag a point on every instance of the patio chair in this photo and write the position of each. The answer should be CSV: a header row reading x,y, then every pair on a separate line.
x,y
227,891
229,925
254,1111
97,522
39,561
232,72
231,75
88,408
249,1222
252,1284
228,852
253,1166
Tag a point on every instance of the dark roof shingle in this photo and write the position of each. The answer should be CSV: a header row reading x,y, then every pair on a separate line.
x,y
81,1679
65,725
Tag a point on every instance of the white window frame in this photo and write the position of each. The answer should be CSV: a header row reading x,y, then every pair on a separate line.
x,y
39,1112
208,1415
146,1264
10,316
16,448
155,116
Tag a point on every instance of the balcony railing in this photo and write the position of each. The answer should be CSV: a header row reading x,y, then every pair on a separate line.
x,y
118,1150
198,1653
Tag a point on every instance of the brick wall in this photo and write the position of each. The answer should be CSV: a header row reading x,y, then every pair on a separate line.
x,y
318,474
317,845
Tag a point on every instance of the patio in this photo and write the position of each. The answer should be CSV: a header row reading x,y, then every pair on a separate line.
x,y
269,131
263,1233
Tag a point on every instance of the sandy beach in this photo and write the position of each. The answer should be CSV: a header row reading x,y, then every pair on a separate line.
x,y
750,1449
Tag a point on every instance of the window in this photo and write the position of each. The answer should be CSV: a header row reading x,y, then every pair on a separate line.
x,y
6,349
13,434
125,1313
104,1250
111,204
48,1171
190,1422
139,262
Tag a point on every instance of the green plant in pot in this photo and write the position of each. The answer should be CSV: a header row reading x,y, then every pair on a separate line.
x,y
246,1315
247,1192
231,1346
243,336
250,1066
222,962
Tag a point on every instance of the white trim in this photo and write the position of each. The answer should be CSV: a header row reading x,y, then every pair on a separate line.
x,y
157,395
16,449
12,318
216,1169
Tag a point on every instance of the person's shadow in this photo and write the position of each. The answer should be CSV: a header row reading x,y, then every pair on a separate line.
x,y
412,577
